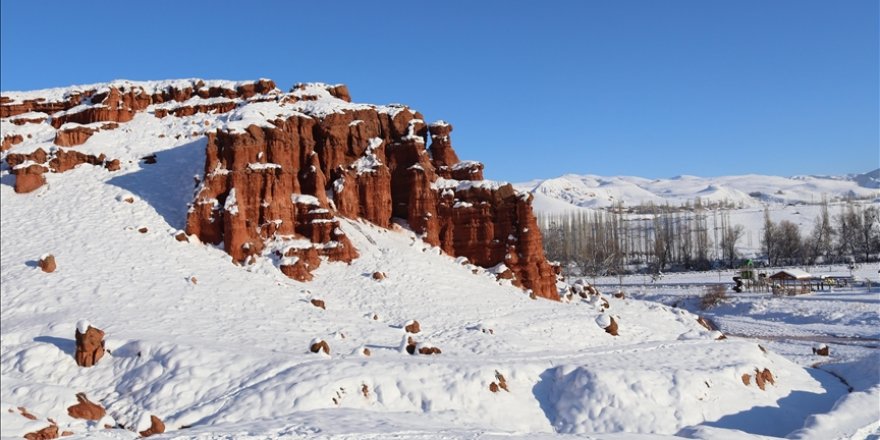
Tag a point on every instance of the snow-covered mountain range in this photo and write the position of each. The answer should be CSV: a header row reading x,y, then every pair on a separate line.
x,y
591,191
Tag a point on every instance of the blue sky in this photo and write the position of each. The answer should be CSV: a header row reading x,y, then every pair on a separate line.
x,y
534,89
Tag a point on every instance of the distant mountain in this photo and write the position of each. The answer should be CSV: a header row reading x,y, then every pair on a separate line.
x,y
573,191
868,180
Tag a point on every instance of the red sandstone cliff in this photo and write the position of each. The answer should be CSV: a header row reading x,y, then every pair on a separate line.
x,y
274,185
281,183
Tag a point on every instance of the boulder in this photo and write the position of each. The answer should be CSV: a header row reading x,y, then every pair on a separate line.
x,y
47,263
412,327
763,377
318,346
46,433
607,323
73,136
429,350
318,303
89,344
156,427
86,409
29,178
10,140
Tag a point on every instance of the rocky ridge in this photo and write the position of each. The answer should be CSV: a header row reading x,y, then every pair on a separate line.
x,y
282,168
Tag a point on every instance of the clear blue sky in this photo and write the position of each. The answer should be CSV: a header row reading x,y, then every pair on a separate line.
x,y
534,89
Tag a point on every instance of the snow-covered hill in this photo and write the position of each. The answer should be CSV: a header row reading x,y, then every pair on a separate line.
x,y
216,349
590,191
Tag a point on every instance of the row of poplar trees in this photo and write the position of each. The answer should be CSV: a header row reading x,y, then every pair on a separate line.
x,y
660,237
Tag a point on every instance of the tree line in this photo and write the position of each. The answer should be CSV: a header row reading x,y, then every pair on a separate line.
x,y
852,235
658,238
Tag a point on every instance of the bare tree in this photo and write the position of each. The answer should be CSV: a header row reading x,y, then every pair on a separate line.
x,y
788,242
868,233
730,234
767,238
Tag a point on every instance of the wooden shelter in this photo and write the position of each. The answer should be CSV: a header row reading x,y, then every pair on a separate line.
x,y
791,282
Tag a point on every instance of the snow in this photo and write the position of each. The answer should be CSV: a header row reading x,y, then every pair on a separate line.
x,y
82,326
305,199
442,184
466,164
603,320
591,191
229,356
231,205
263,166
796,273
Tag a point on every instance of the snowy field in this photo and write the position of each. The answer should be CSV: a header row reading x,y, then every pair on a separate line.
x,y
220,351
845,319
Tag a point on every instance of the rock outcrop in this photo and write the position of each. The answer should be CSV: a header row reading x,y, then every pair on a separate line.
x,y
89,344
46,433
412,327
86,409
10,140
156,427
284,168
318,346
47,263
278,187
29,168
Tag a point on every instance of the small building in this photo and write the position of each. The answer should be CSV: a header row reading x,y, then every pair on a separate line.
x,y
791,282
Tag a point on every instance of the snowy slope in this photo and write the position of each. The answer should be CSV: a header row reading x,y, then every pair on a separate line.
x,y
218,350
590,191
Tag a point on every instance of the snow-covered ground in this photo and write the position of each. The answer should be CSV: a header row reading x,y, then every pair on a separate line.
x,y
221,351
845,319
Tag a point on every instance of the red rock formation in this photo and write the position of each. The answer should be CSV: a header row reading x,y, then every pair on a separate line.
x,y
319,346
28,169
47,263
29,178
46,433
23,120
319,304
156,427
73,136
119,102
412,327
358,162
189,110
764,377
89,346
378,168
429,350
78,135
86,409
25,413
9,140
502,382
612,328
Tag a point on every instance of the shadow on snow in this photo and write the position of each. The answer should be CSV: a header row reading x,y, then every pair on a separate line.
x,y
168,184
